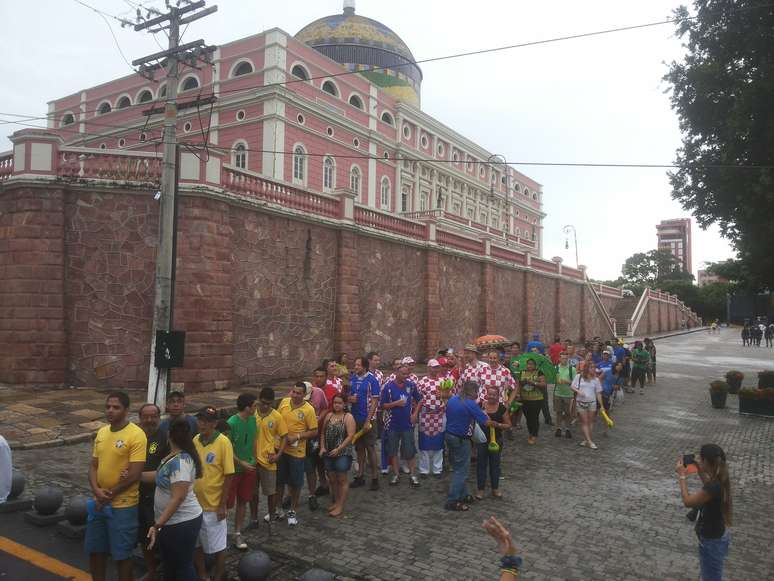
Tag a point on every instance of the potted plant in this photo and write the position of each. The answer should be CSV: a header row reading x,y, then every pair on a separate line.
x,y
734,379
718,394
765,379
757,402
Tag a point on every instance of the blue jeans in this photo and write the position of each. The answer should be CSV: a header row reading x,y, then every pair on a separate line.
x,y
484,460
459,451
176,544
712,554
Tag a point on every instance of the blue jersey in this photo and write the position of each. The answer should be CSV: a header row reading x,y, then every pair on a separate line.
x,y
365,388
400,417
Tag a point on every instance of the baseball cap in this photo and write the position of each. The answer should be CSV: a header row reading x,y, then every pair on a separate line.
x,y
408,360
433,363
208,413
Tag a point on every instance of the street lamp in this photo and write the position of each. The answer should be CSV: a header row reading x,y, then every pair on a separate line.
x,y
567,229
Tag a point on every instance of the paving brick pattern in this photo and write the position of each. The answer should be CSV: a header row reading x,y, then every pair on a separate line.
x,y
574,513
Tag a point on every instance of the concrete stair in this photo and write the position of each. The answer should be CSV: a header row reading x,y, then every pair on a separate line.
x,y
622,313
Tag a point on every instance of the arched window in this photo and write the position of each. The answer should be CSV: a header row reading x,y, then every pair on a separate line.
x,y
124,102
103,108
329,174
404,201
387,118
299,164
189,83
243,68
68,119
385,194
145,96
240,156
354,180
300,72
330,87
356,101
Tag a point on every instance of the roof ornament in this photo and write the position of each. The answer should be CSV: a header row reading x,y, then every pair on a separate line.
x,y
349,7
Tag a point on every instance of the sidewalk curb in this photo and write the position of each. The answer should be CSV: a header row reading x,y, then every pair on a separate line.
x,y
671,334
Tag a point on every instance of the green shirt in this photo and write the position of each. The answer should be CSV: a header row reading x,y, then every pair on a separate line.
x,y
640,358
564,375
243,434
529,391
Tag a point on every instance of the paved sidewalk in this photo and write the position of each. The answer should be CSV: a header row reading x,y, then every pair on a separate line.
x,y
576,514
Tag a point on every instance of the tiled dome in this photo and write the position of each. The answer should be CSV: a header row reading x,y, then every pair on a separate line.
x,y
362,44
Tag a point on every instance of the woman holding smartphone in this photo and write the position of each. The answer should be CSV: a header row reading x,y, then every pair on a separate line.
x,y
714,504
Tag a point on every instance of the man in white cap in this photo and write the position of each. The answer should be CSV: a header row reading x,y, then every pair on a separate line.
x,y
408,360
432,415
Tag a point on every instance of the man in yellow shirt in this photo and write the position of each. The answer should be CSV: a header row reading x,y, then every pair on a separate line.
x,y
217,457
301,421
118,447
270,445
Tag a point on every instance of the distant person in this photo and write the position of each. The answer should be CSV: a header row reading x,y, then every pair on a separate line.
x,y
363,401
313,464
177,511
770,335
588,399
640,362
650,371
336,450
114,474
536,345
488,459
715,508
157,449
563,396
746,335
216,455
555,349
176,409
242,433
272,440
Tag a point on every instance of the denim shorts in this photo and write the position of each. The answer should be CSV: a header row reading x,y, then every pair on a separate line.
x,y
338,464
586,406
115,534
291,471
402,442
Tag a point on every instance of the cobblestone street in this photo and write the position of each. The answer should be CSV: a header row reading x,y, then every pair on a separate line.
x,y
574,513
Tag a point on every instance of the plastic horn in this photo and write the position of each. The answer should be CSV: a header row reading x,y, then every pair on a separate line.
x,y
607,419
494,447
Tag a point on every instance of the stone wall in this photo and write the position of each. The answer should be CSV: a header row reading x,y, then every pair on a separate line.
x,y
261,294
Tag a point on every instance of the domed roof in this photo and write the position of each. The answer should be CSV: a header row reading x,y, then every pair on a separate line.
x,y
361,44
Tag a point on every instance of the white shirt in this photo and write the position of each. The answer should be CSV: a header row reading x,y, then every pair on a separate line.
x,y
179,468
589,388
6,467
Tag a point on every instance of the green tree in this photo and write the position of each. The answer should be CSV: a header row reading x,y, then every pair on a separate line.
x,y
644,268
722,92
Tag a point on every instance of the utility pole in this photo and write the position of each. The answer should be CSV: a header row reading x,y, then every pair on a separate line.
x,y
170,59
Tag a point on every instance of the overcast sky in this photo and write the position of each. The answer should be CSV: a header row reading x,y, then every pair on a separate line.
x,y
591,100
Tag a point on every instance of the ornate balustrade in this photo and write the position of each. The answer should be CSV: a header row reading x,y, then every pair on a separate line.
x,y
391,222
6,165
82,162
249,184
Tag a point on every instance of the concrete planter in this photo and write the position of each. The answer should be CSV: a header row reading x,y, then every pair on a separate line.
x,y
756,407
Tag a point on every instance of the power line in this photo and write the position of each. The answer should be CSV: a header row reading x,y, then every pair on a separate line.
x,y
104,16
469,53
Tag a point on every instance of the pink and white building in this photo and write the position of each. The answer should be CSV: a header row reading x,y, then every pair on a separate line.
x,y
286,113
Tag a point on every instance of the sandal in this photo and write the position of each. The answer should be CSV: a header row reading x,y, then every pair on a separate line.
x,y
456,506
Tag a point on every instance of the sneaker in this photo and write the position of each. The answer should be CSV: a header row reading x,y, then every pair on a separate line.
x,y
239,542
313,504
405,470
414,481
394,480
286,503
385,471
279,515
374,484
357,482
568,434
558,432
292,518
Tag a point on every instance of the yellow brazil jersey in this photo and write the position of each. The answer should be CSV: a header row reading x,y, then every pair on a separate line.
x,y
114,451
271,428
300,419
217,458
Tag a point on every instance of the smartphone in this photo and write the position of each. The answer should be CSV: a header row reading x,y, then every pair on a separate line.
x,y
689,459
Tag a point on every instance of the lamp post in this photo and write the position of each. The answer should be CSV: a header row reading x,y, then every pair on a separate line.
x,y
567,230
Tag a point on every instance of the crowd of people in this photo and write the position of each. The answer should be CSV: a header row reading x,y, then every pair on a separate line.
x,y
170,484
754,333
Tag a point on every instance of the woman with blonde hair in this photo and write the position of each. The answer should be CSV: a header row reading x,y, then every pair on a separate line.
x,y
714,504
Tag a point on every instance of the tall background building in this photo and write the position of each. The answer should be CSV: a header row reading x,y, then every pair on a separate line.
x,y
674,236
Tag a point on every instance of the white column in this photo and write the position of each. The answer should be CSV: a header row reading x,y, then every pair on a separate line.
x,y
275,65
